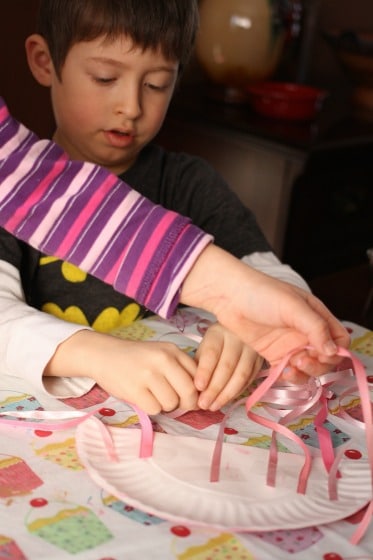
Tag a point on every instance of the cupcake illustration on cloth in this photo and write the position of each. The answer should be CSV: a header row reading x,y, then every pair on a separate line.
x,y
222,547
363,344
9,549
292,541
15,401
16,477
70,527
62,453
136,331
130,512
94,397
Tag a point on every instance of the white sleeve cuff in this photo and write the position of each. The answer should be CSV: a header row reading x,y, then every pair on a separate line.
x,y
271,265
30,337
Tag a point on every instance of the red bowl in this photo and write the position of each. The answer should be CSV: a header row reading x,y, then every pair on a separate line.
x,y
281,100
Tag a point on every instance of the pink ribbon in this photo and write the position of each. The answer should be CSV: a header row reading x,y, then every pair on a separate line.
x,y
277,397
64,420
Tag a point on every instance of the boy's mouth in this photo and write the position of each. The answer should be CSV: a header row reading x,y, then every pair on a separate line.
x,y
120,132
119,138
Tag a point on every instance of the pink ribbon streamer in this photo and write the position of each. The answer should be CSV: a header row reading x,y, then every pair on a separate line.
x,y
315,395
64,420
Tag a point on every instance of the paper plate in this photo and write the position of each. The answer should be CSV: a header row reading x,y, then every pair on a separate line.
x,y
174,483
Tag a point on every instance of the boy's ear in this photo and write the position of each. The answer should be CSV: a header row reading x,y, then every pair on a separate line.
x,y
39,59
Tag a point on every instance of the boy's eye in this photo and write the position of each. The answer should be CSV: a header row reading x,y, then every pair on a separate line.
x,y
103,80
156,87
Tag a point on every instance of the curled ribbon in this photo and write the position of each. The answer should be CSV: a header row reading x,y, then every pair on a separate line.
x,y
279,398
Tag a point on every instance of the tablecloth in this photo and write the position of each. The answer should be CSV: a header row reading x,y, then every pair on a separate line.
x,y
51,508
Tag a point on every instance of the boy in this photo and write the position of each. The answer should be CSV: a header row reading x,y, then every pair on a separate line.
x,y
112,68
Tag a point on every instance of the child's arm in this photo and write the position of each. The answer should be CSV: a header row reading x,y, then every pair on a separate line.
x,y
156,376
226,365
271,316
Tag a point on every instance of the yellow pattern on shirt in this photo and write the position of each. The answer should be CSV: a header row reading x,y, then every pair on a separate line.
x,y
109,318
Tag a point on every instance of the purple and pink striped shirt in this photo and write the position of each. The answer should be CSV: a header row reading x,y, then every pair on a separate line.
x,y
83,214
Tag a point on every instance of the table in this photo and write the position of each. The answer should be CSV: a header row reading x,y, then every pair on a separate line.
x,y
51,508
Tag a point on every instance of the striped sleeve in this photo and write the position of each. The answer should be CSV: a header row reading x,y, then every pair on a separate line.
x,y
81,213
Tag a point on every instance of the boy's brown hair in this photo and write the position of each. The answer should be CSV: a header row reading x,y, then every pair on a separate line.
x,y
151,24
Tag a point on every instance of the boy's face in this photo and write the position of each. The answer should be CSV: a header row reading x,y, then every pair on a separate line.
x,y
111,101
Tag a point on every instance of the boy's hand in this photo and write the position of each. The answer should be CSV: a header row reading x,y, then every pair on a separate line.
x,y
155,376
226,366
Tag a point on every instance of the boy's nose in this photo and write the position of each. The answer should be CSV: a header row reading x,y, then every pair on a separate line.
x,y
129,104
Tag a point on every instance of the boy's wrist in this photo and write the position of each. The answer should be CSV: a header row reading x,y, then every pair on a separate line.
x,y
70,357
195,288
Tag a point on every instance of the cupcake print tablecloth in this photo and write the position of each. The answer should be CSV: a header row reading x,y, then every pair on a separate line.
x,y
50,507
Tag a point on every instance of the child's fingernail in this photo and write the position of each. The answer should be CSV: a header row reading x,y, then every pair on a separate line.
x,y
330,348
198,385
214,407
203,403
305,367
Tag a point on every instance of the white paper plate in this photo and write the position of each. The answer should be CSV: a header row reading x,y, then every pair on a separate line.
x,y
174,483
